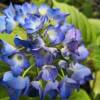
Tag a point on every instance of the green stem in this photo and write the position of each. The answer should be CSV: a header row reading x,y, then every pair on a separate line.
x,y
37,71
94,82
60,76
62,73
21,49
26,71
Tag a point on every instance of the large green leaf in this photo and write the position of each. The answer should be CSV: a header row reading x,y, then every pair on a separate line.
x,y
79,20
80,95
96,24
94,57
98,41
96,86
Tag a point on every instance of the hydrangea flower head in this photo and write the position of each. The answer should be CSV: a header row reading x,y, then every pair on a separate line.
x,y
55,48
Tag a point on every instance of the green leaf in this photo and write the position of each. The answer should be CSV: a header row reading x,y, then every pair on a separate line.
x,y
5,98
28,98
98,41
97,97
95,57
3,68
80,95
38,2
79,20
10,37
96,24
3,93
96,84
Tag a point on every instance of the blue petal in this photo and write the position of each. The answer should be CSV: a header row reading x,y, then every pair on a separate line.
x,y
15,85
14,94
33,24
82,53
53,12
11,81
20,19
65,52
58,16
66,87
29,8
20,11
10,11
54,35
81,73
20,60
61,17
36,87
63,64
2,24
49,73
36,44
42,57
51,89
16,70
53,51
27,82
6,48
43,10
73,34
16,61
10,24
65,27
21,14
25,43
73,46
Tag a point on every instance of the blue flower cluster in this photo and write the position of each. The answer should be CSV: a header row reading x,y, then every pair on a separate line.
x,y
56,46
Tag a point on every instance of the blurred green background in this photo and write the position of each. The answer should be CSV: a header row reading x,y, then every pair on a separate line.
x,y
85,15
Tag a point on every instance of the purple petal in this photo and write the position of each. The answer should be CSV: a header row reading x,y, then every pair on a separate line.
x,y
73,34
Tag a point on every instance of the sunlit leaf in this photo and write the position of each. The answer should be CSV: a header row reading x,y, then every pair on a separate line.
x,y
10,37
80,95
96,88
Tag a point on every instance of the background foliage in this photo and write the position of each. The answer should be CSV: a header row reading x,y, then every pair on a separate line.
x,y
90,8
